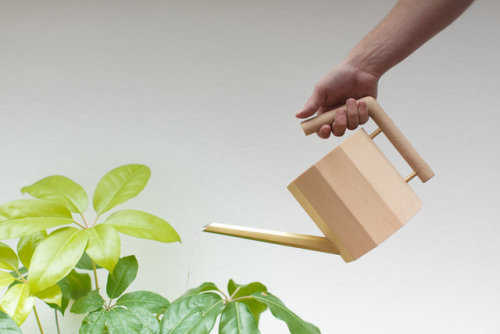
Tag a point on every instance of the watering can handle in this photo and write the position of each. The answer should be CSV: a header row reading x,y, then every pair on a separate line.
x,y
395,136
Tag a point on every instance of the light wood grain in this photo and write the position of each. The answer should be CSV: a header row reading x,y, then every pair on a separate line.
x,y
311,242
355,196
395,136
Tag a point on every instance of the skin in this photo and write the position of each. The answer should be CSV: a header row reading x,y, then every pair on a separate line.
x,y
406,27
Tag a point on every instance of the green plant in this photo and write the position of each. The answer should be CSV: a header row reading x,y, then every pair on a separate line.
x,y
55,266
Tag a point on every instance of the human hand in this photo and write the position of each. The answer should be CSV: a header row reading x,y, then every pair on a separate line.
x,y
342,85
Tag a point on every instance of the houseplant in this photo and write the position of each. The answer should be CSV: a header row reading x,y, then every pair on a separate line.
x,y
58,250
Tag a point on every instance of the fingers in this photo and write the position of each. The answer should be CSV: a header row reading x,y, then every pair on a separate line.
x,y
362,112
350,117
340,123
352,114
310,107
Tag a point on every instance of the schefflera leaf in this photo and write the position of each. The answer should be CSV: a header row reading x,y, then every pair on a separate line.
x,y
123,275
26,216
27,244
120,185
145,300
5,279
89,303
237,319
55,257
8,258
143,225
7,325
295,324
17,302
61,190
196,314
73,286
104,246
243,290
52,296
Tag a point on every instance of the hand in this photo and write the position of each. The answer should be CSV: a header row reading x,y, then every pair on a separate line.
x,y
342,85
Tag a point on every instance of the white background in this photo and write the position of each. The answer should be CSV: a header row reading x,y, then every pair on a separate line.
x,y
205,92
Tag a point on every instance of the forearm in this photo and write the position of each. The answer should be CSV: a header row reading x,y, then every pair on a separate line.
x,y
407,26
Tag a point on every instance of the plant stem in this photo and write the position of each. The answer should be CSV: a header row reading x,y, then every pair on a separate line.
x,y
95,275
95,221
57,322
38,320
77,223
84,220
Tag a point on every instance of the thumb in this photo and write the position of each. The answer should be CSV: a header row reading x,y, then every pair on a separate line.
x,y
312,105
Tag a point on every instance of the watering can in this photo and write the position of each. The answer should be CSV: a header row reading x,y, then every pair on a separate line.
x,y
354,194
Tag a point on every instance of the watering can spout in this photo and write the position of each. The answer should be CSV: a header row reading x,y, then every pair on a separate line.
x,y
311,242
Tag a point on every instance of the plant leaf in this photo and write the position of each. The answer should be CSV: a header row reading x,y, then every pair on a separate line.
x,y
8,258
27,244
61,190
93,323
192,315
148,300
239,290
73,286
206,286
85,263
122,321
124,274
26,216
149,323
104,246
295,324
17,303
55,257
143,225
120,185
237,319
89,303
51,296
7,325
6,279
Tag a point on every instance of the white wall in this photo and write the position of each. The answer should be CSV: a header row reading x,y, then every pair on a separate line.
x,y
204,92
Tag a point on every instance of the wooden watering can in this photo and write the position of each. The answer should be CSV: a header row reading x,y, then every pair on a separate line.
x,y
354,194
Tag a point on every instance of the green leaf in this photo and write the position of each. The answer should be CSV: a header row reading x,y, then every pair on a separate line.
x,y
17,303
237,319
27,216
122,321
206,286
192,315
120,185
8,258
27,244
85,262
61,190
89,303
149,323
7,325
73,286
93,323
295,324
238,290
104,246
148,300
124,274
51,296
143,225
55,257
6,279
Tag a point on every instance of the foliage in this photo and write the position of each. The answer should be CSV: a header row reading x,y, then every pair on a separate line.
x,y
56,252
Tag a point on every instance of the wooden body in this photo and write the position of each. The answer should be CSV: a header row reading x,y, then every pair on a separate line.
x,y
355,196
